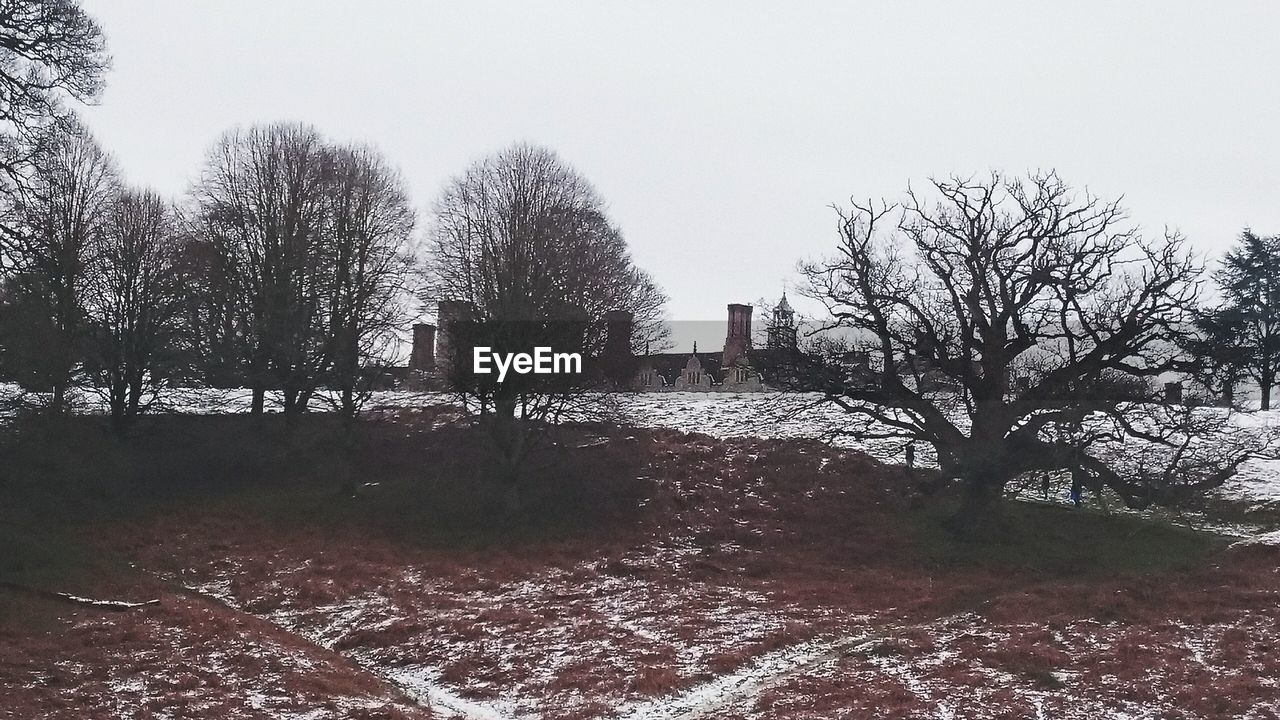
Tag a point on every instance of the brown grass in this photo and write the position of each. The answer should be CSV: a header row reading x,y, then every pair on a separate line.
x,y
638,568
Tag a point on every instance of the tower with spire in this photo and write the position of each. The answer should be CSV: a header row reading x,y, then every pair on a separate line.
x,y
782,327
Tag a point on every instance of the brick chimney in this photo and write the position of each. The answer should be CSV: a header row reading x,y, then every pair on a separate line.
x,y
617,339
738,339
423,356
618,362
449,312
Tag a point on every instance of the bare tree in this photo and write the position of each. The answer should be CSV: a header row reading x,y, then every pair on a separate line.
x,y
54,221
524,241
1017,328
214,320
522,235
50,51
134,299
369,227
261,203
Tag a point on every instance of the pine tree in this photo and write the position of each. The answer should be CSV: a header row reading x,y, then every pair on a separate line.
x,y
1250,281
1221,361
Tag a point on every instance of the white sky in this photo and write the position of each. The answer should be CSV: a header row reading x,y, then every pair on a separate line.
x,y
720,132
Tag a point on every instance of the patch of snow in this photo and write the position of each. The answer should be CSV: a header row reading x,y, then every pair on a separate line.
x,y
1268,538
745,684
423,686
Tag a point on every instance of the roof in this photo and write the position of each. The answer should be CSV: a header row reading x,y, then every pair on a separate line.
x,y
669,366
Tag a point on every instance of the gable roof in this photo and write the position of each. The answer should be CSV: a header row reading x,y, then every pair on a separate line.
x,y
669,366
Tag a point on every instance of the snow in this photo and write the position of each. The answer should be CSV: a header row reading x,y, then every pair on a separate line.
x,y
743,685
112,604
1267,538
1257,483
422,684
803,416
575,614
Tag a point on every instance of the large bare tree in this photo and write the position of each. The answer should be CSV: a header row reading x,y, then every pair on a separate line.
x,y
214,321
521,234
134,298
1020,327
261,214
53,223
524,241
298,252
369,228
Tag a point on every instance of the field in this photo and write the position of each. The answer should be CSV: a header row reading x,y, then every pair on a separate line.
x,y
651,573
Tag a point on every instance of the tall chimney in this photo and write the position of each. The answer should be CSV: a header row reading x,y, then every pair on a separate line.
x,y
619,364
449,312
617,339
738,339
423,356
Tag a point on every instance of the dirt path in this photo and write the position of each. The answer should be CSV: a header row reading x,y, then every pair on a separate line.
x,y
743,686
441,701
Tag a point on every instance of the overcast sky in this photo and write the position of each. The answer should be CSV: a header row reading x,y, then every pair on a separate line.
x,y
721,132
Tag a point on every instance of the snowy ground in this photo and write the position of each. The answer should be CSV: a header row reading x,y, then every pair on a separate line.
x,y
802,416
755,596
766,584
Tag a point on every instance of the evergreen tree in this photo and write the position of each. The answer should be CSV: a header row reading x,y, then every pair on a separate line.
x,y
1222,362
1250,281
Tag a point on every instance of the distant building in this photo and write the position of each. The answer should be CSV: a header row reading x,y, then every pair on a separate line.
x,y
738,367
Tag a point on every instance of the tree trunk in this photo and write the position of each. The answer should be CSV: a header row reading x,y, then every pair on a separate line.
x,y
59,398
290,399
348,408
119,411
135,399
1265,387
980,515
508,434
259,401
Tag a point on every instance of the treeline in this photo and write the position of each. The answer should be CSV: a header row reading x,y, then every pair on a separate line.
x,y
286,268
288,265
